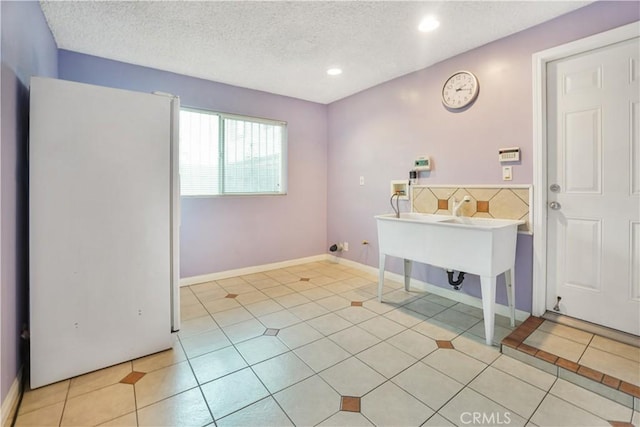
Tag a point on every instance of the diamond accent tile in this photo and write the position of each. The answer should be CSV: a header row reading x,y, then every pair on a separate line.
x,y
356,303
350,404
133,377
304,279
271,332
443,204
231,296
483,206
445,344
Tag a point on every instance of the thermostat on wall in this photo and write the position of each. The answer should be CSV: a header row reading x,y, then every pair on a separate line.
x,y
422,163
509,154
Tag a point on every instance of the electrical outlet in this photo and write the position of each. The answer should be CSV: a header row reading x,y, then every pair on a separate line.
x,y
345,246
507,173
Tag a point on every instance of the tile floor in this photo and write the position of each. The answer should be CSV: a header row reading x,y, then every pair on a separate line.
x,y
309,345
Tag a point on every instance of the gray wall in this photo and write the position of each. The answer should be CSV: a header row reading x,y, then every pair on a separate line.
x,y
28,49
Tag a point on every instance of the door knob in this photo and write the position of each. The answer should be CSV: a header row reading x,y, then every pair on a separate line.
x,y
554,187
554,205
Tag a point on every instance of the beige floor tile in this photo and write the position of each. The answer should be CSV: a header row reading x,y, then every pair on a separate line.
x,y
455,364
557,345
279,320
413,343
231,281
298,335
165,382
611,364
184,409
425,307
160,360
232,392
456,318
128,420
342,419
468,309
196,326
440,300
375,306
590,402
99,379
636,418
355,315
624,350
278,291
438,420
316,294
239,289
205,342
261,348
282,371
510,392
499,332
251,298
261,308
401,297
386,359
391,406
216,364
220,304
308,311
44,396
329,323
436,330
557,412
99,406
567,332
211,294
352,377
43,416
264,413
305,411
382,327
518,369
291,300
192,311
476,347
354,339
427,384
469,404
244,330
321,354
405,317
231,317
335,302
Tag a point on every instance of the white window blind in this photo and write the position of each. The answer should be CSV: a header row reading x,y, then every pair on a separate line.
x,y
224,154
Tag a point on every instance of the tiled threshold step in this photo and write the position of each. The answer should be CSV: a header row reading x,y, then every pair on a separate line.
x,y
613,388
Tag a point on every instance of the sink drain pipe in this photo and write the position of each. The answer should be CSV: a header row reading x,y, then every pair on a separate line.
x,y
457,283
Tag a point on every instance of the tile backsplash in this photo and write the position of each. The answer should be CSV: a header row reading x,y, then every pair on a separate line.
x,y
507,202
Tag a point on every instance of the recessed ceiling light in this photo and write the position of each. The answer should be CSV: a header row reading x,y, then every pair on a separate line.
x,y
334,71
428,23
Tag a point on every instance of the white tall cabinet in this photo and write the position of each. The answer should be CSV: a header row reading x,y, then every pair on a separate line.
x,y
103,227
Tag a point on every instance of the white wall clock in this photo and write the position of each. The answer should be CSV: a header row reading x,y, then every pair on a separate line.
x,y
460,90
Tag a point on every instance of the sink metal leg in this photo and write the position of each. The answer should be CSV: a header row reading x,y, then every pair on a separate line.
x,y
509,278
488,289
407,273
381,276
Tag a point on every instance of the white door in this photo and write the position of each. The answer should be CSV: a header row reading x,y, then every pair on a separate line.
x,y
593,212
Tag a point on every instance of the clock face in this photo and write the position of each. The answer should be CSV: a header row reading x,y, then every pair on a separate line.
x,y
460,90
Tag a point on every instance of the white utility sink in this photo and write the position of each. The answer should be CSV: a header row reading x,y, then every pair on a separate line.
x,y
482,246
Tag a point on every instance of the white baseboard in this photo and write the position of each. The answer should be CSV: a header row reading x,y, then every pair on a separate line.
x,y
10,403
502,310
187,281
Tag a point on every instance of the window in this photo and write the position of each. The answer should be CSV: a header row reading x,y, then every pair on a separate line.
x,y
223,154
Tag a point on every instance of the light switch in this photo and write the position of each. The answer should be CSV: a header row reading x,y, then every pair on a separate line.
x,y
362,180
507,173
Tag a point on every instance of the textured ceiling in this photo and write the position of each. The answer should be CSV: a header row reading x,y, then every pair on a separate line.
x,y
286,47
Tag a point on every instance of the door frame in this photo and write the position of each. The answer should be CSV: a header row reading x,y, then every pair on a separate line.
x,y
539,64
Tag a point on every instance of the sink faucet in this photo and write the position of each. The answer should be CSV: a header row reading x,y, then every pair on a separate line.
x,y
457,205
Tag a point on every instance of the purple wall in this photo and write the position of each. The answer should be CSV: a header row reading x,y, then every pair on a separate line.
x,y
226,233
377,134
28,49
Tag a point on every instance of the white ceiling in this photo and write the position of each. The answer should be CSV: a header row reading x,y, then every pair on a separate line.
x,y
285,47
